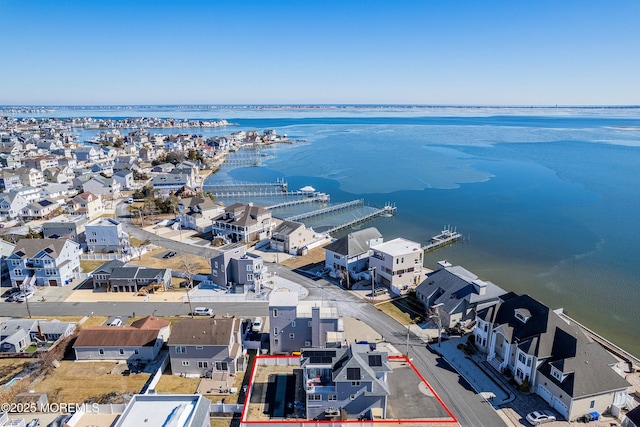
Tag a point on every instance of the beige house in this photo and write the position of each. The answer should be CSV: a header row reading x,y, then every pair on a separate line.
x,y
87,204
397,264
291,237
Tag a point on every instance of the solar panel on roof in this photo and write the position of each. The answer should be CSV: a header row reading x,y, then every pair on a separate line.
x,y
353,374
375,360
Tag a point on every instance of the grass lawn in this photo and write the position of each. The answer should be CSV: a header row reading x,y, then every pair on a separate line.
x,y
87,266
175,384
9,368
78,382
154,259
404,310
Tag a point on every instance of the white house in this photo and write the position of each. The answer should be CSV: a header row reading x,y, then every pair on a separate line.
x,y
397,264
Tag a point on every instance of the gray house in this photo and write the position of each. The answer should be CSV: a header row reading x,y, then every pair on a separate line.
x,y
140,341
352,378
237,269
65,226
202,347
18,334
106,235
297,324
456,294
351,252
134,278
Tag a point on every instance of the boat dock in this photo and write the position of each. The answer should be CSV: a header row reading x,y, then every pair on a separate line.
x,y
217,190
446,237
314,198
324,211
387,210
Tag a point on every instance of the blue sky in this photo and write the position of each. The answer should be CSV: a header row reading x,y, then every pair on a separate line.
x,y
569,52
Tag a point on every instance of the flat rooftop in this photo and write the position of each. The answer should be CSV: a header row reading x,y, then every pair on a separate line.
x,y
397,247
163,410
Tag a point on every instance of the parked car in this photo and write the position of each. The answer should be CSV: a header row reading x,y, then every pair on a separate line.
x,y
117,321
34,423
9,292
170,254
257,324
24,296
202,311
540,417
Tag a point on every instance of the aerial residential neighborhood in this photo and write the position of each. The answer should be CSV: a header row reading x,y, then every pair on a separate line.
x,y
121,264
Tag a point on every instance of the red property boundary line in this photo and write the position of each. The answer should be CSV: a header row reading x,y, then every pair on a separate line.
x,y
243,419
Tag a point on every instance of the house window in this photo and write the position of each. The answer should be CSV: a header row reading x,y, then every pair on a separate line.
x,y
336,256
485,327
355,383
101,352
292,336
352,397
592,404
249,277
332,397
275,331
307,343
293,324
199,347
249,267
17,272
275,312
556,374
315,397
135,351
203,365
222,366
121,351
309,324
215,264
181,349
185,363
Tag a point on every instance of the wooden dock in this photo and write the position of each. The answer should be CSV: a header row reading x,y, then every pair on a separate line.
x,y
387,210
446,237
315,198
323,211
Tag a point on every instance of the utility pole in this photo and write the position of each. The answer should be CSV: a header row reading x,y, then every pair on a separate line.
x,y
373,274
408,330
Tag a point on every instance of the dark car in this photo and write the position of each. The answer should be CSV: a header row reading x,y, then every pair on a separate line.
x,y
10,292
170,254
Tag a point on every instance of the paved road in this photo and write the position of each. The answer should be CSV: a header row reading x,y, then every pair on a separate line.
x,y
469,408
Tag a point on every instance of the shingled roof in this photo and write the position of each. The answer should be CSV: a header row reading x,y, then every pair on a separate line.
x,y
209,331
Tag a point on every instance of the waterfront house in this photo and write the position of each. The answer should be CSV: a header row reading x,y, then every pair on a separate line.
x,y
351,252
169,182
44,262
207,347
352,378
85,204
455,294
16,335
9,180
295,324
11,204
397,264
134,278
65,227
244,223
550,355
291,237
237,270
106,235
141,341
198,213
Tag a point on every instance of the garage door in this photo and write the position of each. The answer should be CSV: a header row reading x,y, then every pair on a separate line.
x,y
544,393
559,406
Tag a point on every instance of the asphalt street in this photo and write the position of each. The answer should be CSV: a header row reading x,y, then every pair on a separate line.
x,y
469,408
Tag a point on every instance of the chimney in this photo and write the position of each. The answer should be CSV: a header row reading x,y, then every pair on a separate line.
x,y
40,334
480,287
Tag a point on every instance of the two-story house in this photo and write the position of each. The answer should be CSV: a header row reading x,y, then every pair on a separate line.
x,y
85,204
169,182
203,347
88,154
244,223
353,378
44,262
351,252
66,227
106,235
295,324
9,180
291,237
197,213
30,176
11,205
124,178
549,354
397,264
40,209
237,269
104,187
454,294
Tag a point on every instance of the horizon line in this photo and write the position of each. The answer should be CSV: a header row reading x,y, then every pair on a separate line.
x,y
254,105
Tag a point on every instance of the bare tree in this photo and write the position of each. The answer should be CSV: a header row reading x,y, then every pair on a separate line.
x,y
190,267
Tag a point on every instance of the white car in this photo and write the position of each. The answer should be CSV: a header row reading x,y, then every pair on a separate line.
x,y
257,324
202,311
115,322
540,417
25,296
